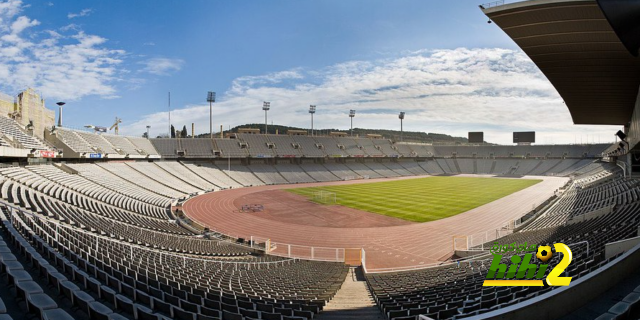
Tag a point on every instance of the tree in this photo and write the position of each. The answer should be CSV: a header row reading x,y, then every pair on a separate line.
x,y
144,135
173,132
184,131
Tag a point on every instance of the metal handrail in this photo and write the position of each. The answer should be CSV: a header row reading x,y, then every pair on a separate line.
x,y
161,252
492,4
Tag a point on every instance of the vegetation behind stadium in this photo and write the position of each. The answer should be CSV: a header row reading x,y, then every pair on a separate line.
x,y
407,136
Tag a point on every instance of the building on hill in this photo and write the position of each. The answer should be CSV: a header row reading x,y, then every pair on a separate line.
x,y
29,110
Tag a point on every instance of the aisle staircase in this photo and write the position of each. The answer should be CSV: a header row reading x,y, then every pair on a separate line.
x,y
353,301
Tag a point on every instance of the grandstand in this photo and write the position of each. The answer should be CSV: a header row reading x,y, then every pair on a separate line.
x,y
17,141
124,207
117,227
83,144
163,261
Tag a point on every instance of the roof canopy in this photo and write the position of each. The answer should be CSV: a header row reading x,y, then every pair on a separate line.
x,y
575,47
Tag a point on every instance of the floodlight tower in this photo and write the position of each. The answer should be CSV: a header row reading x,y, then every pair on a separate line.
x,y
401,117
211,98
265,106
312,110
60,104
148,127
352,113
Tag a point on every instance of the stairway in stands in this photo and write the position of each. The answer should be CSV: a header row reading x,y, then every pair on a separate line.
x,y
353,301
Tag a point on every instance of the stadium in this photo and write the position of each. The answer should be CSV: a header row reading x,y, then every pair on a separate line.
x,y
302,225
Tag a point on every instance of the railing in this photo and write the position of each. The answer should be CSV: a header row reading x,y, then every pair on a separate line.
x,y
492,4
623,166
475,242
285,250
417,267
301,252
53,234
460,261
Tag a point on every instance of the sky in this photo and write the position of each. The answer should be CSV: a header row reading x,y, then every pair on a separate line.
x,y
438,61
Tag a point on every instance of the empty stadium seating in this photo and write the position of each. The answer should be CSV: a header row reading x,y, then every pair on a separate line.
x,y
109,146
120,281
455,289
99,240
14,135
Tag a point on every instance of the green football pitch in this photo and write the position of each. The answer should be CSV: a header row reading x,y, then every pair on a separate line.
x,y
419,200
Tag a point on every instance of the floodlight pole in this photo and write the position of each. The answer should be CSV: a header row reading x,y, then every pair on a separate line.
x,y
148,127
352,113
401,117
312,110
265,106
211,98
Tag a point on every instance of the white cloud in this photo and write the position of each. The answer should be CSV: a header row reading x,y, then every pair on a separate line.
x,y
445,91
58,64
10,8
83,13
71,26
23,23
162,66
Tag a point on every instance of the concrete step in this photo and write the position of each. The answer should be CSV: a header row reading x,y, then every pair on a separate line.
x,y
353,301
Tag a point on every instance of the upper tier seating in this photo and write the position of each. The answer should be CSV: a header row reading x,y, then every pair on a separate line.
x,y
197,147
330,146
74,141
386,147
309,147
97,142
285,146
258,145
122,145
233,148
144,145
351,146
14,132
113,146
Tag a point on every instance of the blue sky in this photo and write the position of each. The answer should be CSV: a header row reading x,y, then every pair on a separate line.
x,y
439,61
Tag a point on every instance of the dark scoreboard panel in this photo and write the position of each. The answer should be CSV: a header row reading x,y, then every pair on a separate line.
x,y
527,136
476,137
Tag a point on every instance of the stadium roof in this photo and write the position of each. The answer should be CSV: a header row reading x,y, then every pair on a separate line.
x,y
576,48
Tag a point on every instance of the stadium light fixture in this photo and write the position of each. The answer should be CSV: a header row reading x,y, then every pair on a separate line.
x,y
265,106
401,117
211,98
621,135
312,110
352,113
60,104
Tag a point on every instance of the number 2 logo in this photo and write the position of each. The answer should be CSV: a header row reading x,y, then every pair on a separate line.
x,y
554,279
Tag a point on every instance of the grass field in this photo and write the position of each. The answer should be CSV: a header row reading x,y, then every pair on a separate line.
x,y
424,199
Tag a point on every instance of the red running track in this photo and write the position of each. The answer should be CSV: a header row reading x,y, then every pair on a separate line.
x,y
396,246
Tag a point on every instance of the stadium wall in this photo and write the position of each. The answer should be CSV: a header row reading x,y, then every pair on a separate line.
x,y
58,144
633,137
634,127
13,152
